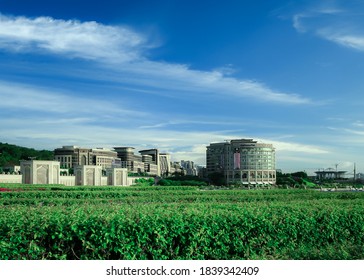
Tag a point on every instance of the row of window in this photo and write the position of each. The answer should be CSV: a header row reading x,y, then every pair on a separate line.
x,y
254,175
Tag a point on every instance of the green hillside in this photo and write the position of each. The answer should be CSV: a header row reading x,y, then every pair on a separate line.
x,y
12,154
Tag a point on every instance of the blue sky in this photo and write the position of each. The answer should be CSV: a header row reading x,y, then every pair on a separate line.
x,y
177,75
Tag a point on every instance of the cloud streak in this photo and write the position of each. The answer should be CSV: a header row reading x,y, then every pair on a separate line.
x,y
354,41
181,144
340,26
122,51
29,98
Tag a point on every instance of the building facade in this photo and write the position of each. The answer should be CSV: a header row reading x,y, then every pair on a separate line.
x,y
242,161
149,161
105,158
143,163
72,156
41,172
189,167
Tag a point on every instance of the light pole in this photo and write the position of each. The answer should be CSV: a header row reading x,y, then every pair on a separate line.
x,y
354,172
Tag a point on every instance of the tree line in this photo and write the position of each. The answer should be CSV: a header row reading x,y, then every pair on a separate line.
x,y
11,155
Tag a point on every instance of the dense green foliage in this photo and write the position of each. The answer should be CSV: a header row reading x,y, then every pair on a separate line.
x,y
180,180
11,154
170,222
296,179
217,178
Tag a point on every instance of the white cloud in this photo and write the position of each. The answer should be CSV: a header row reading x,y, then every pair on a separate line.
x,y
347,40
22,97
297,22
331,23
296,147
358,124
121,50
188,145
88,40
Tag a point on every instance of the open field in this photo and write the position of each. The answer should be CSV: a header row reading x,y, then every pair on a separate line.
x,y
57,222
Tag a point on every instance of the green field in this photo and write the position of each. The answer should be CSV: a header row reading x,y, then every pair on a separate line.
x,y
57,222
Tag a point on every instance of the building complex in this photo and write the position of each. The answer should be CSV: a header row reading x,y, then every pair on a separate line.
x,y
239,161
151,161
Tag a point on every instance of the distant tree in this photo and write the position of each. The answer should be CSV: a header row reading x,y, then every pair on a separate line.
x,y
12,154
217,178
300,174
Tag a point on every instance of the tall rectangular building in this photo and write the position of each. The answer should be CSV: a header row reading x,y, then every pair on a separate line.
x,y
242,161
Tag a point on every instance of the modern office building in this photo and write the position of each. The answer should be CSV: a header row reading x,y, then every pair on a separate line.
x,y
152,158
148,161
242,161
129,160
72,156
189,167
160,162
176,168
165,167
105,158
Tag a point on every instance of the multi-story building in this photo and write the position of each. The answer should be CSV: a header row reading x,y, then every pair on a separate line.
x,y
165,167
189,167
157,161
242,161
129,160
105,158
71,156
176,168
146,162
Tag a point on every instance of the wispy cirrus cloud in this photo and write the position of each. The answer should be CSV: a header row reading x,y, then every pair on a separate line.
x,y
123,51
332,23
189,145
344,38
29,98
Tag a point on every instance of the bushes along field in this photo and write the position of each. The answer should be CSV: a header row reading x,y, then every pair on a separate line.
x,y
55,222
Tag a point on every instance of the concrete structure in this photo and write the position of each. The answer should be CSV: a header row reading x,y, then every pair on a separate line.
x,y
48,172
88,175
189,167
133,163
176,168
40,172
105,158
242,161
150,161
68,180
117,177
330,173
71,156
153,158
165,168
10,178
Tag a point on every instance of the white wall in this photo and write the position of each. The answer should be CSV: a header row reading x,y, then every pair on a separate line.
x,y
68,180
9,178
